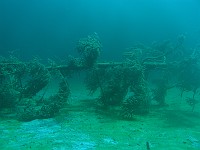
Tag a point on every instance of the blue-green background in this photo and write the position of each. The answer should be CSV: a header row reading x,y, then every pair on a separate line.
x,y
51,28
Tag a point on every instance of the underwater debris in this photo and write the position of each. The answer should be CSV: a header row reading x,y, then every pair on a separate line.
x,y
122,85
188,76
112,85
36,108
20,85
116,83
147,145
11,72
38,78
160,92
192,102
93,79
89,49
136,104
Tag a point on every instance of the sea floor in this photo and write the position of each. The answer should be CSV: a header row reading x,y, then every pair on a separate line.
x,y
81,125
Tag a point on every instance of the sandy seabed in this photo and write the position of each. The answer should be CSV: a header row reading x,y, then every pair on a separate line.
x,y
83,126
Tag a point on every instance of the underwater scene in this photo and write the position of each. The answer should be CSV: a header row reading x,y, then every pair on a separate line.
x,y
100,75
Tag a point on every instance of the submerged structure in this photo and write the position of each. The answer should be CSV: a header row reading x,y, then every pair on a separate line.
x,y
128,87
